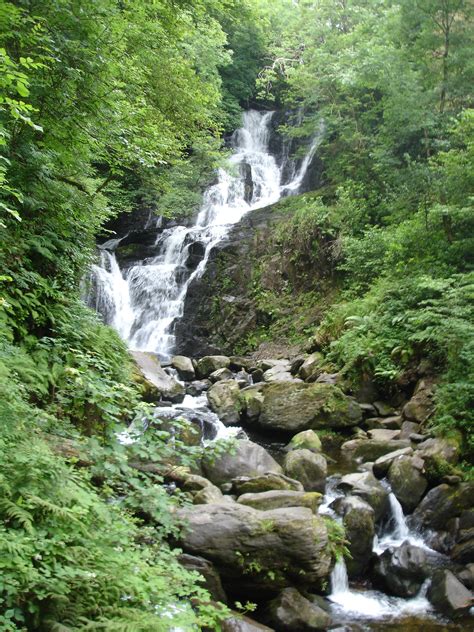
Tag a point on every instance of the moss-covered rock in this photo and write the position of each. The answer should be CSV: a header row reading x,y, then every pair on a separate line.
x,y
306,440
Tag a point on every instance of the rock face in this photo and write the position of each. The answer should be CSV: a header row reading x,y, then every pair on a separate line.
x,y
156,379
448,595
291,612
308,467
261,549
245,458
292,407
407,481
401,571
358,518
223,398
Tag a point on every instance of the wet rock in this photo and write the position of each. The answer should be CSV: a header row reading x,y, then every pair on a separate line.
x,y
264,483
367,487
383,463
241,623
292,407
197,387
184,366
211,580
244,458
407,481
277,499
306,440
421,405
358,518
154,380
380,434
448,594
221,374
291,612
441,504
308,467
259,549
208,364
370,449
224,400
435,450
401,571
311,367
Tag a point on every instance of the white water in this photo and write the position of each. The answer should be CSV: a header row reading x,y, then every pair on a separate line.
x,y
397,530
144,302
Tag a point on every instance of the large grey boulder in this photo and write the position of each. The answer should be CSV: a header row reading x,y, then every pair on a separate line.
x,y
421,405
311,367
292,407
223,398
269,481
208,364
184,366
220,375
435,450
291,612
244,458
259,549
277,499
155,382
401,571
306,440
279,373
358,518
310,468
407,481
441,504
251,399
448,594
383,463
370,449
367,487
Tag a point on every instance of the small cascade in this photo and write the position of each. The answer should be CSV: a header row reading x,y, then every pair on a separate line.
x,y
293,187
396,530
144,301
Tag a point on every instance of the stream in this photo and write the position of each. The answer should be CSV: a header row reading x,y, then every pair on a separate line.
x,y
144,301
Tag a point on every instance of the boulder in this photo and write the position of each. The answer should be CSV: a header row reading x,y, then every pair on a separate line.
x,y
401,571
184,366
370,449
244,458
197,387
264,483
240,363
210,494
448,594
463,551
466,576
358,518
223,398
436,450
241,623
311,367
277,499
408,428
221,374
383,408
251,399
258,550
310,468
155,382
306,440
383,434
441,504
211,580
383,463
367,487
291,612
208,364
293,407
279,373
407,481
421,405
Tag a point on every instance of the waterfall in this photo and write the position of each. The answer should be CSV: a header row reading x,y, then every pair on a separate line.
x,y
339,578
144,301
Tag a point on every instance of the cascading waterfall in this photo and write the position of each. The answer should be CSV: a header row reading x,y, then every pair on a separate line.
x,y
144,301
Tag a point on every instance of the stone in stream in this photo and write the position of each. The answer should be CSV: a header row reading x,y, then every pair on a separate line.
x,y
224,400
358,518
383,434
251,399
443,503
279,373
154,380
291,612
383,463
401,571
367,487
259,550
208,364
292,407
463,550
244,458
197,387
407,481
448,594
265,483
310,468
466,576
220,375
370,449
306,440
277,499
184,366
212,582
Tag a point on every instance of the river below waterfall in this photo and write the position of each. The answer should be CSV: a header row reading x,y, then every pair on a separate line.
x,y
145,300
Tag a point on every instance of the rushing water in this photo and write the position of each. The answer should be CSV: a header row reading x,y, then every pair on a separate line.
x,y
144,301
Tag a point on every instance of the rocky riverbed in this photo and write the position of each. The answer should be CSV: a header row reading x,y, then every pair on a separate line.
x,y
324,511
